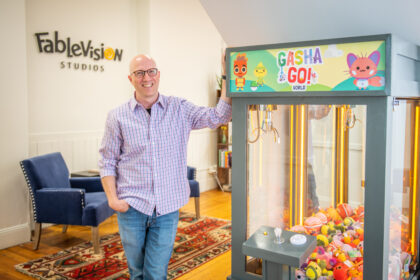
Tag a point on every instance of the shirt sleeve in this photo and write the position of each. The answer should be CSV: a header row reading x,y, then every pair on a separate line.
x,y
201,117
110,149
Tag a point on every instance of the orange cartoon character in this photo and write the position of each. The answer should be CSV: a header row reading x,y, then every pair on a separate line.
x,y
240,69
364,69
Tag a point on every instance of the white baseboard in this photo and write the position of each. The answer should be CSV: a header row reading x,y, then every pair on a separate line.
x,y
14,235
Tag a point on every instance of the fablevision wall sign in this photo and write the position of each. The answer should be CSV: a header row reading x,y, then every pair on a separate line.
x,y
94,54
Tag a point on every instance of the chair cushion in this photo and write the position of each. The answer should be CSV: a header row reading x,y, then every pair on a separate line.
x,y
96,209
195,188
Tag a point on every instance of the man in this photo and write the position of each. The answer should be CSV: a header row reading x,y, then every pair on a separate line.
x,y
143,166
315,112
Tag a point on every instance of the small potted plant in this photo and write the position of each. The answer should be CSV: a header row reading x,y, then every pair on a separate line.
x,y
219,85
254,86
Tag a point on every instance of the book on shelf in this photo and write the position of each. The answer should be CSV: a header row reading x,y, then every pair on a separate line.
x,y
225,158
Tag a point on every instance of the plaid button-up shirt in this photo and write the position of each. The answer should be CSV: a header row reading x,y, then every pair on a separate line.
x,y
148,153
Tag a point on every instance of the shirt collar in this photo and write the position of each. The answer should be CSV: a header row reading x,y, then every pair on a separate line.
x,y
161,101
133,102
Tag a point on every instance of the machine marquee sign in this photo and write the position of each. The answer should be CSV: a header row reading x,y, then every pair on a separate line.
x,y
334,67
52,43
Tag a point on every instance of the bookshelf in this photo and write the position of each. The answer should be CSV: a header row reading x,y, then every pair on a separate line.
x,y
224,156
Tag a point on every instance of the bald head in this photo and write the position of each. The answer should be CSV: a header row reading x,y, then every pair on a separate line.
x,y
146,83
139,60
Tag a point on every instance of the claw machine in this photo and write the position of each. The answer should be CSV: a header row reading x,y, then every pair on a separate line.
x,y
326,145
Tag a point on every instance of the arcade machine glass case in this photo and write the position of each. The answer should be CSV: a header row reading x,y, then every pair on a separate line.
x,y
326,143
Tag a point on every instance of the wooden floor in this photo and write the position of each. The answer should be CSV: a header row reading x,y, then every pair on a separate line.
x,y
213,203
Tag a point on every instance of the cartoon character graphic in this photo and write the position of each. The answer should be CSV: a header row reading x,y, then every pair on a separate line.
x,y
260,71
282,76
253,86
314,78
240,68
364,69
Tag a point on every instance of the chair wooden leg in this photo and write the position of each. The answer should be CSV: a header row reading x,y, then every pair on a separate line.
x,y
95,239
64,228
197,207
37,236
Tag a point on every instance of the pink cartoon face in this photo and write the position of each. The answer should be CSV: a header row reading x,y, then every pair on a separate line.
x,y
363,67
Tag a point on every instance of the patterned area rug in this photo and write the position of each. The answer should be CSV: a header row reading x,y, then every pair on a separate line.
x,y
197,242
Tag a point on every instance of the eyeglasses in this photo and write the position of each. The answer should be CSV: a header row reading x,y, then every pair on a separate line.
x,y
140,73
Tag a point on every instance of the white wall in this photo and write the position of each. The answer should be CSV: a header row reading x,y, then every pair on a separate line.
x,y
248,22
187,48
67,107
75,100
13,124
53,109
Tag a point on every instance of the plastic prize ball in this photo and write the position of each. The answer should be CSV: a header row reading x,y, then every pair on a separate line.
x,y
298,239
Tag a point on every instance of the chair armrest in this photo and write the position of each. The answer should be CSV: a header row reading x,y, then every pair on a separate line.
x,y
191,172
194,188
90,184
60,205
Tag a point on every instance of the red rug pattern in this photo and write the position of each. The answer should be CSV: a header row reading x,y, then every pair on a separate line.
x,y
196,242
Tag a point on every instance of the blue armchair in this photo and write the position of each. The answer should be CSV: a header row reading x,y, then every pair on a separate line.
x,y
195,189
58,199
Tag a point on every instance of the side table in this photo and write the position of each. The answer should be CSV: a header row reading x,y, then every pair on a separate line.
x,y
85,173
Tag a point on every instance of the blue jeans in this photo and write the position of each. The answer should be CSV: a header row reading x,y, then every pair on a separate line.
x,y
148,242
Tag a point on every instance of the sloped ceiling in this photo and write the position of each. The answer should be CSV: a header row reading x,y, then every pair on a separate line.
x,y
256,22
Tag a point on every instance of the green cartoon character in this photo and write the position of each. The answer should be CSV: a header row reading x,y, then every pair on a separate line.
x,y
260,71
